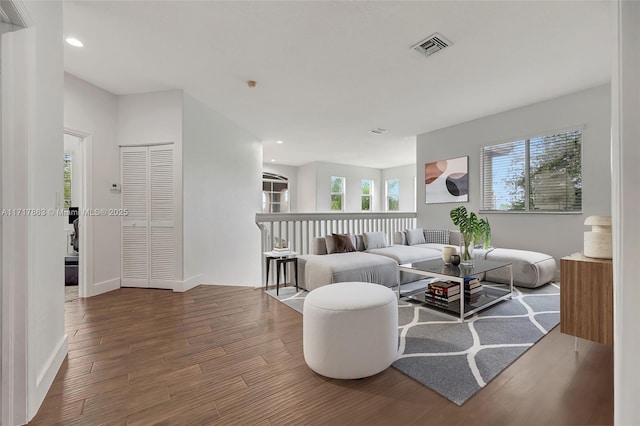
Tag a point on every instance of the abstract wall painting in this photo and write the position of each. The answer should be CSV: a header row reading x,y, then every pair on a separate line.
x,y
447,181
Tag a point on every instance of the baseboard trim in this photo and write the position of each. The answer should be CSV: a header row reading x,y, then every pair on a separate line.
x,y
186,285
48,373
105,286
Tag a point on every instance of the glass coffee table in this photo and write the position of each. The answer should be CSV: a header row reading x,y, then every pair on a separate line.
x,y
489,295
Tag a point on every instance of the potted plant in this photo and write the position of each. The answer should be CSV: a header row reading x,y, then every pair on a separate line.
x,y
470,227
485,229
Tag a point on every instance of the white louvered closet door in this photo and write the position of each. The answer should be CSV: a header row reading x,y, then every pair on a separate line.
x,y
162,216
148,241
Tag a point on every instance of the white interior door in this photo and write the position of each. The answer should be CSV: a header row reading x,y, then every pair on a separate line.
x,y
148,231
162,217
134,163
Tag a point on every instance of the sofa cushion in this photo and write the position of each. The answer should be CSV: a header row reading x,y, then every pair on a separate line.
x,y
415,236
318,270
438,236
374,240
431,246
406,254
343,243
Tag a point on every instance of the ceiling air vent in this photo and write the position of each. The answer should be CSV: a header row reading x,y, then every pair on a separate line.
x,y
432,44
377,131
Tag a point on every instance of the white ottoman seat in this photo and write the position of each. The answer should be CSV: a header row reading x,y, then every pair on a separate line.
x,y
530,269
350,329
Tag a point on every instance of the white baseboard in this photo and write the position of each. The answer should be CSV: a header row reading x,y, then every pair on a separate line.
x,y
47,374
186,285
105,286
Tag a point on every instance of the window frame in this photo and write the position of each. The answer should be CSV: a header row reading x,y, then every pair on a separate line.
x,y
267,198
67,160
527,168
386,194
342,194
369,195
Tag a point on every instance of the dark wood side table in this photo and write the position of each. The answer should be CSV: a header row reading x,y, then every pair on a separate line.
x,y
281,258
586,298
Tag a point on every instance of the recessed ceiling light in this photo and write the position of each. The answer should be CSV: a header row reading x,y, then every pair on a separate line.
x,y
273,161
279,142
378,131
73,42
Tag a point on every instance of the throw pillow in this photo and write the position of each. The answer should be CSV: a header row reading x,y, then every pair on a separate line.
x,y
331,245
436,236
359,244
343,243
374,240
415,236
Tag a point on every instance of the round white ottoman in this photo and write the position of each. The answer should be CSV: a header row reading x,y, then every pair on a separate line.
x,y
350,330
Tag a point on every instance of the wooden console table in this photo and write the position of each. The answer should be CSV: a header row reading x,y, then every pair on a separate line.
x,y
586,298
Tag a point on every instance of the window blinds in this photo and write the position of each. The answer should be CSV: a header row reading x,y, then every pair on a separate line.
x,y
538,174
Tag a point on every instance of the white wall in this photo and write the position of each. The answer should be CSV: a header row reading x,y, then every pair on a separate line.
x,y
306,199
557,235
314,186
46,341
407,177
626,210
290,172
353,176
91,110
150,118
156,118
222,189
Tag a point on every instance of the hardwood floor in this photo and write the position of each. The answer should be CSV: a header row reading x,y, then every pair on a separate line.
x,y
233,355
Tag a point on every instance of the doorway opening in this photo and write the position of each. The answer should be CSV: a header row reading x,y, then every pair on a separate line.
x,y
77,199
72,200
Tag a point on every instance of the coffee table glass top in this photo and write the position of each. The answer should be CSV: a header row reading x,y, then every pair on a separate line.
x,y
437,266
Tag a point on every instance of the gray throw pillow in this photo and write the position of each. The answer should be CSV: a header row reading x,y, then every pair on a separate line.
x,y
331,245
374,240
415,236
436,236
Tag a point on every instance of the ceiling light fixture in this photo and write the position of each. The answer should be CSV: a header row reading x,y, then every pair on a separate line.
x,y
279,142
74,42
378,131
273,161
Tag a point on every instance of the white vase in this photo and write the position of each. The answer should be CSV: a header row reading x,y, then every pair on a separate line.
x,y
597,242
447,252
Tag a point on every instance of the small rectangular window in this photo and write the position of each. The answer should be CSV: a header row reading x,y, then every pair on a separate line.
x,y
67,180
367,194
337,193
393,195
540,174
275,193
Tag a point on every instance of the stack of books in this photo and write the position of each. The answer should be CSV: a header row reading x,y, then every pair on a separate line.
x,y
281,250
472,288
443,292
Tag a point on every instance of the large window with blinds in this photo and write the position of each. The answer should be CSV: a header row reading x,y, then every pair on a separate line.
x,y
539,174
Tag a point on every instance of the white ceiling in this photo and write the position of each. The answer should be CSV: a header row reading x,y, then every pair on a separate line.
x,y
328,72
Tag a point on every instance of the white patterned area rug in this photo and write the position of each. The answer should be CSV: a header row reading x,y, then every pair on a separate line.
x,y
458,359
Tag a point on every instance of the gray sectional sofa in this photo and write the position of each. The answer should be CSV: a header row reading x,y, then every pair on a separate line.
x,y
374,260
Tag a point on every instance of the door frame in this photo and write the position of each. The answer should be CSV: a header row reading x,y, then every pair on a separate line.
x,y
13,266
85,254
